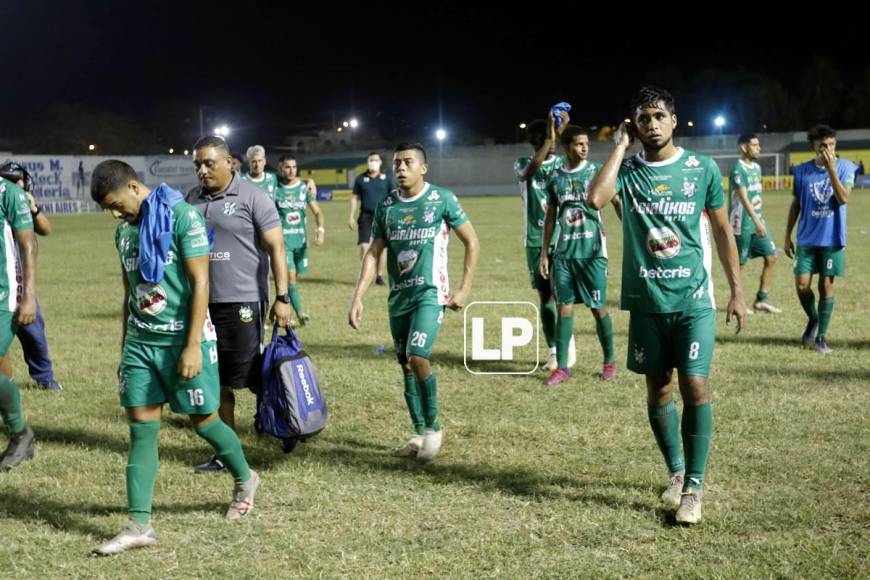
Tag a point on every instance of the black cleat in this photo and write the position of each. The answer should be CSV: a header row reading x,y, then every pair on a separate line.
x,y
214,465
20,449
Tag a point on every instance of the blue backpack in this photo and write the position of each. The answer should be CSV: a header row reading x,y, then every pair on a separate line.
x,y
290,404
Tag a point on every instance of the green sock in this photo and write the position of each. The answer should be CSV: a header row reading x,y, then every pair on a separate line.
x,y
808,301
697,434
665,423
604,328
761,296
826,309
548,321
227,446
10,405
142,464
429,395
415,406
295,300
564,331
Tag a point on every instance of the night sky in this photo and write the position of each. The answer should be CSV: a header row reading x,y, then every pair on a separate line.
x,y
267,69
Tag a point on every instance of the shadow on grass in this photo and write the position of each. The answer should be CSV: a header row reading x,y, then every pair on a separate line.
x,y
826,376
519,481
75,516
303,280
858,343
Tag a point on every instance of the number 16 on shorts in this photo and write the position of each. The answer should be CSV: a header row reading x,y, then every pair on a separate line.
x,y
501,338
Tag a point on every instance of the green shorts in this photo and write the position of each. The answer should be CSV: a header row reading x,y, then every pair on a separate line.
x,y
820,260
533,260
415,332
297,259
149,376
750,246
8,328
684,340
578,281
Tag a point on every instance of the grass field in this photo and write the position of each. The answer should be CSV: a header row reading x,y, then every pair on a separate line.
x,y
530,483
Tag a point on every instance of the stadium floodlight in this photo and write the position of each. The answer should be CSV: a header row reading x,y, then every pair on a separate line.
x,y
346,124
441,134
523,125
171,150
354,123
340,129
91,147
719,121
690,124
186,152
222,131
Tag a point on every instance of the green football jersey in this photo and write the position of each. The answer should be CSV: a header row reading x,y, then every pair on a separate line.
x,y
748,176
581,231
416,232
14,215
292,202
533,192
667,256
160,313
268,182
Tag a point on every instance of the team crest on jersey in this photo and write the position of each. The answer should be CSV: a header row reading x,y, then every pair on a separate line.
x,y
246,314
663,243
150,298
822,191
433,196
429,216
388,202
689,188
230,207
406,261
692,161
639,355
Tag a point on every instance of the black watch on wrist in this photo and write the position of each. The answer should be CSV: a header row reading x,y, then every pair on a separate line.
x,y
37,212
285,298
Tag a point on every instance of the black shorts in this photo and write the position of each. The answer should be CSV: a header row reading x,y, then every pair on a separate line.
x,y
239,327
365,227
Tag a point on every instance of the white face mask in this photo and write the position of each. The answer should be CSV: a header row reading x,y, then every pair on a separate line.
x,y
374,166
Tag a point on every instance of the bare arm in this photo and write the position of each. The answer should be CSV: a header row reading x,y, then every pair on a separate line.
x,y
468,237
354,204
320,233
549,227
41,223
603,187
26,241
125,307
727,250
190,361
793,212
273,241
543,152
617,206
367,273
841,192
743,194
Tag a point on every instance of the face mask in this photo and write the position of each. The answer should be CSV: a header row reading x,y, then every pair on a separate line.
x,y
374,166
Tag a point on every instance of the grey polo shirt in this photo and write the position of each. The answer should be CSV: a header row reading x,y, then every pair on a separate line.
x,y
237,218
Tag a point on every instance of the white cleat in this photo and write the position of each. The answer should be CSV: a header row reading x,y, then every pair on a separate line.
x,y
409,449
552,363
766,307
572,353
431,446
243,497
689,512
673,494
135,535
